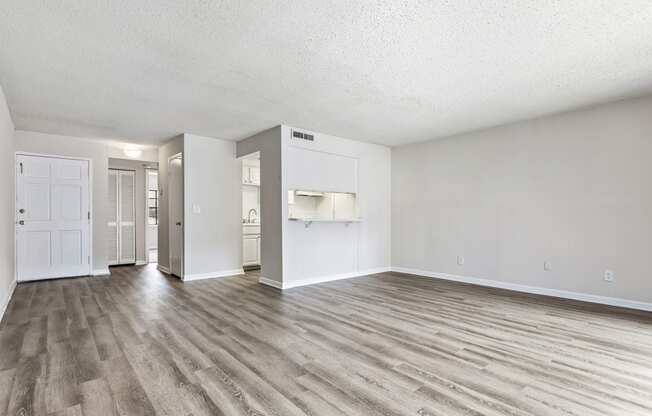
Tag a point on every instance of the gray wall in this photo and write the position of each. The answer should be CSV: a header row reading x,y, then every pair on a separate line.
x,y
141,199
268,143
213,241
7,198
50,144
573,189
170,148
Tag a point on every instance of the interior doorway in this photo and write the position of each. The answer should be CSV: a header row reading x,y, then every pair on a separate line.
x,y
251,213
175,209
152,213
128,233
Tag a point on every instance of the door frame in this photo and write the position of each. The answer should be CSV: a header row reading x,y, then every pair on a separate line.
x,y
183,214
158,188
91,264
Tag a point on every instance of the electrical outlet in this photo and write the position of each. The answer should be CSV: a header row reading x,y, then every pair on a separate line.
x,y
609,276
547,265
460,260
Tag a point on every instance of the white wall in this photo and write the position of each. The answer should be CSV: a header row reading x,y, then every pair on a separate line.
x,y
32,142
141,200
329,250
171,148
213,243
574,189
268,143
7,198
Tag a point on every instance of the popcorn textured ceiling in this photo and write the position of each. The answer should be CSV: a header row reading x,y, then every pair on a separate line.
x,y
383,71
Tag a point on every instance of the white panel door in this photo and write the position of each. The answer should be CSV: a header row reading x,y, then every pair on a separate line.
x,y
52,218
127,216
121,225
175,203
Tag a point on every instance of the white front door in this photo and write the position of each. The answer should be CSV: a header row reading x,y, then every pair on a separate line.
x,y
175,202
52,218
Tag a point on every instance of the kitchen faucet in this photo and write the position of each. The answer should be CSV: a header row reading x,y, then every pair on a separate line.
x,y
249,214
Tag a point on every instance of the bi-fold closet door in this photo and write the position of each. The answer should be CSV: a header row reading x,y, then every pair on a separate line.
x,y
122,217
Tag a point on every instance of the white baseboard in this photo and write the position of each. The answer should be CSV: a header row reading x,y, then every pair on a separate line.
x,y
270,282
141,262
329,278
5,302
213,275
604,300
163,269
100,272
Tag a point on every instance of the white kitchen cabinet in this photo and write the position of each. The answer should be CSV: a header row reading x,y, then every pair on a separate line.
x,y
251,250
254,174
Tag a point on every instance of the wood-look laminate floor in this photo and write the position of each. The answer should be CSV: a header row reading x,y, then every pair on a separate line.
x,y
141,343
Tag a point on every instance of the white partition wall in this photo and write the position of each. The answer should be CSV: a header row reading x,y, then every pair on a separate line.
x,y
350,179
353,238
122,217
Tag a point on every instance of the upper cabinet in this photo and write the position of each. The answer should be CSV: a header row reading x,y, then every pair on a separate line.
x,y
251,172
313,170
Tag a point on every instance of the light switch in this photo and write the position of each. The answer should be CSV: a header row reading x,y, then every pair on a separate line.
x,y
196,209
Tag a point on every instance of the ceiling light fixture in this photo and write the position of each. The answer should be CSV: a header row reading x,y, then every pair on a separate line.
x,y
132,153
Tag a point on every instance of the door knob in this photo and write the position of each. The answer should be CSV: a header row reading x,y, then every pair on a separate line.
x,y
22,210
179,224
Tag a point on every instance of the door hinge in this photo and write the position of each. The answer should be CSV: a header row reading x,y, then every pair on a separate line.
x,y
89,215
21,167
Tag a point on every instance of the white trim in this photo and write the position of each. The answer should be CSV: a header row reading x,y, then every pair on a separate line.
x,y
187,211
213,275
141,262
270,282
163,269
90,204
101,272
329,278
5,303
147,242
184,224
585,297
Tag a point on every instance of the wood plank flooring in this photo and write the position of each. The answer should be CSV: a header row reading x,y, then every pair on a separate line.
x,y
141,343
